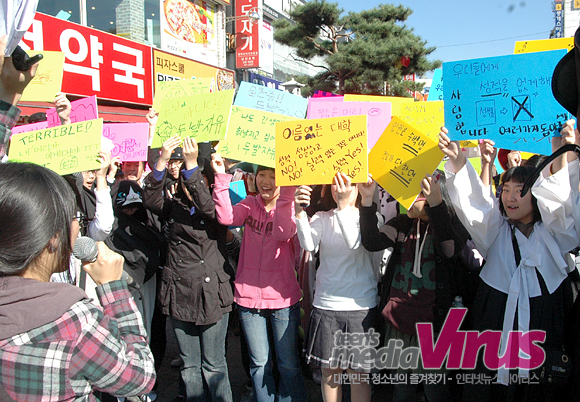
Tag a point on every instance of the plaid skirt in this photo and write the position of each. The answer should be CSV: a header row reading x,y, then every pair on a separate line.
x,y
340,339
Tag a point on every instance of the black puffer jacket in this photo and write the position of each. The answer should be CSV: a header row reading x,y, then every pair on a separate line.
x,y
197,281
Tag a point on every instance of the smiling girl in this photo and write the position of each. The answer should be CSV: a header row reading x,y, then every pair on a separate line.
x,y
525,293
266,288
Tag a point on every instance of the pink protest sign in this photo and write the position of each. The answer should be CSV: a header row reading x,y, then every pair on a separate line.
x,y
378,113
29,127
130,140
81,110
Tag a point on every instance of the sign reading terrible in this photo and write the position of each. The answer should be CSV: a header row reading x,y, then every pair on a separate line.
x,y
65,149
313,151
378,113
507,99
401,158
129,140
251,136
204,117
271,100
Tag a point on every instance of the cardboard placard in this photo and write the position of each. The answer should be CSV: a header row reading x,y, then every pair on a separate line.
x,y
129,140
48,79
65,149
313,151
271,100
507,99
401,158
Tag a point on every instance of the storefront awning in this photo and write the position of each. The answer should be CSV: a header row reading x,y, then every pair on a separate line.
x,y
110,114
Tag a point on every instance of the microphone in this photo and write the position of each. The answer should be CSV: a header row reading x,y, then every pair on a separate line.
x,y
86,250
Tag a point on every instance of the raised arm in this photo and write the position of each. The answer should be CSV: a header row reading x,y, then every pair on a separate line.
x,y
371,238
226,213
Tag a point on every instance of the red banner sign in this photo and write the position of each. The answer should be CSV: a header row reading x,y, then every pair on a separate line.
x,y
247,37
96,62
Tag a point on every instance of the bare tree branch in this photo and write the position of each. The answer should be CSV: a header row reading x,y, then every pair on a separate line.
x,y
300,59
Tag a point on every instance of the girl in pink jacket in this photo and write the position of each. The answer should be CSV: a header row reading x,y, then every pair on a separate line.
x,y
266,287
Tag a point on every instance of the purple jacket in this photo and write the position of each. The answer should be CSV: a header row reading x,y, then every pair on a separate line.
x,y
266,275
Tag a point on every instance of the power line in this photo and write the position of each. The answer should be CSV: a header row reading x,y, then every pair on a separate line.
x,y
494,40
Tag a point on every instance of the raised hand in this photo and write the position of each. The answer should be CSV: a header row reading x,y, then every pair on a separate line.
x,y
451,149
217,162
190,152
431,190
302,198
367,191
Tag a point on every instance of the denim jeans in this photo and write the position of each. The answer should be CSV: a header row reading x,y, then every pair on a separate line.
x,y
283,324
202,348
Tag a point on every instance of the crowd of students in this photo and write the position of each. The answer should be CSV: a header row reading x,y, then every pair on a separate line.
x,y
189,253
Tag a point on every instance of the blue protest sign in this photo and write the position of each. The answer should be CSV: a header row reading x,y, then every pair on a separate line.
x,y
271,100
237,191
507,99
436,90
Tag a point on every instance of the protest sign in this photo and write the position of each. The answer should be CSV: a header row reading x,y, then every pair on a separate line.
x,y
237,191
48,79
401,158
436,89
81,110
29,127
396,101
378,113
180,89
507,99
313,151
65,149
271,100
542,45
203,117
129,140
251,136
427,117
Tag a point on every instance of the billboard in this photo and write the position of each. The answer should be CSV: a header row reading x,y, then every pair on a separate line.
x,y
247,35
188,28
96,62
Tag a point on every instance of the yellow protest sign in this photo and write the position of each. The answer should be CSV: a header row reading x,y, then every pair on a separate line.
x,y
427,117
204,117
401,158
180,89
542,45
251,136
65,149
48,79
396,101
313,151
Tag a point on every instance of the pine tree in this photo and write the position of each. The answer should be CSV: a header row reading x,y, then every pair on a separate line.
x,y
364,52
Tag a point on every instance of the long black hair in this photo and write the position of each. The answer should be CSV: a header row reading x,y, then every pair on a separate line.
x,y
36,205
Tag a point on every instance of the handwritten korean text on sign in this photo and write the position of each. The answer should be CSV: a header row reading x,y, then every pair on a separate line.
x,y
180,89
396,101
427,117
129,139
378,113
271,100
436,90
64,149
48,79
507,99
313,151
204,117
251,136
401,158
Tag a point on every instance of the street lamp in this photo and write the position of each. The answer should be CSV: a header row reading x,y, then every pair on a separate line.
x,y
253,15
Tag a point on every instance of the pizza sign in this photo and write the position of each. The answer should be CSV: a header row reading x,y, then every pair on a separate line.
x,y
247,37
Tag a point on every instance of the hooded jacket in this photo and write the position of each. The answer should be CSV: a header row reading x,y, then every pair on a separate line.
x,y
56,345
266,275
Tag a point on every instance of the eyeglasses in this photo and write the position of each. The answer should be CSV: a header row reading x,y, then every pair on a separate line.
x,y
174,163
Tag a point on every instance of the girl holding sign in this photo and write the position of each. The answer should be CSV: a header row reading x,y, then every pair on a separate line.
x,y
266,289
524,282
345,297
